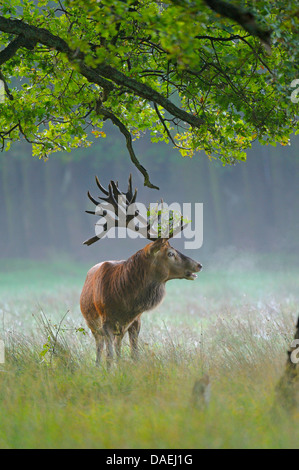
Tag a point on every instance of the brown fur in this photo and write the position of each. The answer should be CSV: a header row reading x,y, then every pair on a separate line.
x,y
116,293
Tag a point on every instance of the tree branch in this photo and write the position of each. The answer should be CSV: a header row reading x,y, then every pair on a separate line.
x,y
145,91
104,75
13,46
109,115
243,17
42,35
220,39
95,75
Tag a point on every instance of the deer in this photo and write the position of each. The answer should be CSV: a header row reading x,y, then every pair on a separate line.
x,y
116,293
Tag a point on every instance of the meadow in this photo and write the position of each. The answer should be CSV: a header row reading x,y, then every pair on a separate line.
x,y
234,323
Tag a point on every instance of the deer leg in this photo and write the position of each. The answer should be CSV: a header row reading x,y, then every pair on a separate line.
x,y
133,337
118,336
98,333
117,345
99,347
108,335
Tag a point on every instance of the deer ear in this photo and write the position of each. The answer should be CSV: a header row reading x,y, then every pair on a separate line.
x,y
157,245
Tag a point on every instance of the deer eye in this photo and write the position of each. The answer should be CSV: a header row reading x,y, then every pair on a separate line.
x,y
170,254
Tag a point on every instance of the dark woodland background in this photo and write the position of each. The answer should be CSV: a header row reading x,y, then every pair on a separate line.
x,y
250,207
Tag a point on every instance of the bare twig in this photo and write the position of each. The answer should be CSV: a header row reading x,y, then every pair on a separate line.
x,y
123,129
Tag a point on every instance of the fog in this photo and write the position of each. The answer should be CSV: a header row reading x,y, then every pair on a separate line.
x,y
249,209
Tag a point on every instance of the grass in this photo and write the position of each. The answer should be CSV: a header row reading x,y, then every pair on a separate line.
x,y
234,325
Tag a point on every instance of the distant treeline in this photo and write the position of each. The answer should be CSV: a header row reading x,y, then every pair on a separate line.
x,y
252,205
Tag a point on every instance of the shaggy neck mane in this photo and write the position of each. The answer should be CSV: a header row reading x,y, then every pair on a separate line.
x,y
134,273
133,282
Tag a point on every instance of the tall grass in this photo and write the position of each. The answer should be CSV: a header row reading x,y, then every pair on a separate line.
x,y
235,327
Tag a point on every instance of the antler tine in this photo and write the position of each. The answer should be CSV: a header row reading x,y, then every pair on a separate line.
x,y
132,201
101,187
130,192
111,199
172,232
92,199
178,229
120,205
91,241
150,236
97,212
116,191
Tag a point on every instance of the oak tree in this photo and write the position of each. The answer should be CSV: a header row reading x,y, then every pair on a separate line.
x,y
201,75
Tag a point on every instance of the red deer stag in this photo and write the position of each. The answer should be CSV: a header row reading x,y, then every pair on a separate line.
x,y
116,293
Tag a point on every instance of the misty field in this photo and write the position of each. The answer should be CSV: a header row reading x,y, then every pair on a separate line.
x,y
234,323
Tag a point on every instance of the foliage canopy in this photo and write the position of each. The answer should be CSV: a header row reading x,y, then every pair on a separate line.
x,y
200,74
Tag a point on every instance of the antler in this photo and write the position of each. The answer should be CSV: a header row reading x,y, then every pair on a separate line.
x,y
120,201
